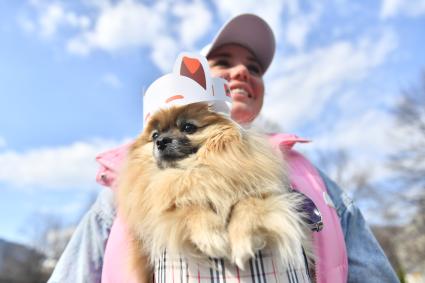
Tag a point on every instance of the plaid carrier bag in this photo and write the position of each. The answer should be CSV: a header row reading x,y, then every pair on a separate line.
x,y
265,267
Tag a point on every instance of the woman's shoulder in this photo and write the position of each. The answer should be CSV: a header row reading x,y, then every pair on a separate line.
x,y
338,197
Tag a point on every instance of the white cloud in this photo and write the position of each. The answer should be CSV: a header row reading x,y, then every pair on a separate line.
x,y
50,18
367,136
99,4
81,22
301,24
368,131
50,21
164,53
194,21
127,24
411,8
301,84
64,167
112,80
165,28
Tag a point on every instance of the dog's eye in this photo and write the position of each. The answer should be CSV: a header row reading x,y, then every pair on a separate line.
x,y
188,128
155,135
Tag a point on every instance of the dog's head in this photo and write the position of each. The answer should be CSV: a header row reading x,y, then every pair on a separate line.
x,y
183,132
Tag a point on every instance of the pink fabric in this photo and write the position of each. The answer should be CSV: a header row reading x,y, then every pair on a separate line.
x,y
110,163
116,254
329,244
285,141
117,247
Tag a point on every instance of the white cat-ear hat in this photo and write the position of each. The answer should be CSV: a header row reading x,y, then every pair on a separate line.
x,y
190,82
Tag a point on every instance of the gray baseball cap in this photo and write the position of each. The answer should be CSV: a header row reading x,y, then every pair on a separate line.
x,y
250,31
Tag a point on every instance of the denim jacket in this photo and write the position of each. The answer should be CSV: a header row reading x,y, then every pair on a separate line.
x,y
83,257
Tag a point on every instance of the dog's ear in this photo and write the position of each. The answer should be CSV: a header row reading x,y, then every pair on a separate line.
x,y
192,68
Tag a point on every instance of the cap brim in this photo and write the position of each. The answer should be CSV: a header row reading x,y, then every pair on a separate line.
x,y
249,31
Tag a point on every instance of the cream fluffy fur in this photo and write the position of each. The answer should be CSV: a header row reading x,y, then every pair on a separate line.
x,y
228,200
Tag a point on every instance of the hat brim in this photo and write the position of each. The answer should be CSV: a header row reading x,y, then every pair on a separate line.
x,y
250,31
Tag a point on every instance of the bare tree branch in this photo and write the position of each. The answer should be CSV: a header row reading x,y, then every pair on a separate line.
x,y
408,165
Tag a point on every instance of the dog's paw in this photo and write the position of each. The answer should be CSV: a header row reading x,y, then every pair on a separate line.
x,y
241,253
215,245
244,248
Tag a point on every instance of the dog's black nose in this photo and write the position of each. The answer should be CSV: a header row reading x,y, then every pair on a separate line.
x,y
161,143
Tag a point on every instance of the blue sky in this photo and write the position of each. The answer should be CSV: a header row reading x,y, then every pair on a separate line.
x,y
72,75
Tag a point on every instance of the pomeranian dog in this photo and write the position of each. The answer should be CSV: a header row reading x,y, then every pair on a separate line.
x,y
197,184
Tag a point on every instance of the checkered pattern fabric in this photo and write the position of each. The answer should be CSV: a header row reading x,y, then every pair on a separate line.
x,y
263,268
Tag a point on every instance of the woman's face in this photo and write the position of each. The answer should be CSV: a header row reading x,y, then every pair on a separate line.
x,y
241,69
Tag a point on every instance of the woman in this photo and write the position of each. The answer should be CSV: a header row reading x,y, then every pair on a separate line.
x,y
241,53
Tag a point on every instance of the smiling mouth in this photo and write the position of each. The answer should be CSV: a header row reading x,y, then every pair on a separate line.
x,y
241,91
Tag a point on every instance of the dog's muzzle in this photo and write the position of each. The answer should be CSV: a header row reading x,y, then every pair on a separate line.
x,y
168,149
162,143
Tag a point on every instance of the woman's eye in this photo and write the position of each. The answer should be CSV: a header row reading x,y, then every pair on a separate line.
x,y
221,63
254,69
155,135
188,128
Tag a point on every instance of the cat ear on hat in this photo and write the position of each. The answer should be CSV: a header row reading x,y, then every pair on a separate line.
x,y
192,68
195,67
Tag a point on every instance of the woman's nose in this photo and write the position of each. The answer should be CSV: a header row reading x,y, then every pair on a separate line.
x,y
239,72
